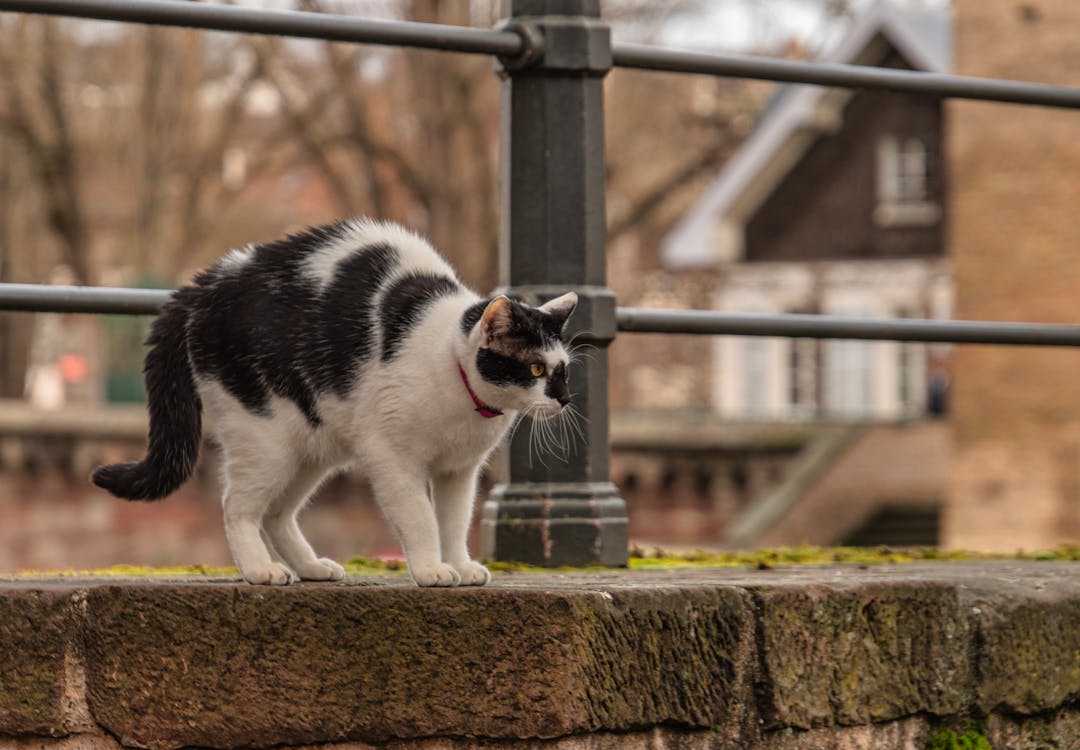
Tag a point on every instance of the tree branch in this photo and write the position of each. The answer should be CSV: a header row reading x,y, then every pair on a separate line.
x,y
301,123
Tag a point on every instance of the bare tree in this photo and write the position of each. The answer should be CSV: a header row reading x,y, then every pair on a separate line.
x,y
414,142
124,139
189,115
36,115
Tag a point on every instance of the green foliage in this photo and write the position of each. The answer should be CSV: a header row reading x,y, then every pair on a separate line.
x,y
370,566
138,571
973,738
640,559
811,555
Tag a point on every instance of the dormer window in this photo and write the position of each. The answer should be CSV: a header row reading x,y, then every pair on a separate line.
x,y
903,183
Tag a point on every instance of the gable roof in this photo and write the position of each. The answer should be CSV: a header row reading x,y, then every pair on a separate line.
x,y
794,117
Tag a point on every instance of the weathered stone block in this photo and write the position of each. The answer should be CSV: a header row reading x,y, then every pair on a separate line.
x,y
36,629
1060,729
808,658
654,656
1029,655
229,665
864,653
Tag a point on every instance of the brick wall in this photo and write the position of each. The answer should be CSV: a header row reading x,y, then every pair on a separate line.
x,y
52,518
1015,241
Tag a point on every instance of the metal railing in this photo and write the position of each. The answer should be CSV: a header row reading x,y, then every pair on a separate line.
x,y
121,301
511,43
554,55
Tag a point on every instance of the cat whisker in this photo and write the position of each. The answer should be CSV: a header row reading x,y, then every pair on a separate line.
x,y
558,442
538,435
578,357
560,437
545,439
582,350
532,432
517,425
574,347
568,440
556,434
555,446
575,418
573,339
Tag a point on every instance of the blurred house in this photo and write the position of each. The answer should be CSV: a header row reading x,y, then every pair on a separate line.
x,y
835,204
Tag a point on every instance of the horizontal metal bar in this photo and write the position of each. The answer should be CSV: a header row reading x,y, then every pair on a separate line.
x,y
708,322
109,300
649,57
81,299
342,28
337,28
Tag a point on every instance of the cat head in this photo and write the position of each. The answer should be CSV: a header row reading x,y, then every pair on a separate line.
x,y
519,358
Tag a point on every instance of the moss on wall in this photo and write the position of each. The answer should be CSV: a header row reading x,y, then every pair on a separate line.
x,y
973,738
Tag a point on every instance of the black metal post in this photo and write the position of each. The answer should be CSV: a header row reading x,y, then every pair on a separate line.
x,y
550,511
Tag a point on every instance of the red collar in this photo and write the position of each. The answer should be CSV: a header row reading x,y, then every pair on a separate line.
x,y
481,408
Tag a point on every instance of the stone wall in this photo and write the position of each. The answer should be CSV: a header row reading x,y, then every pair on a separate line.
x,y
798,659
1016,416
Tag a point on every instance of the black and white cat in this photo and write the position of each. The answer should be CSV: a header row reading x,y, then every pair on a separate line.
x,y
352,345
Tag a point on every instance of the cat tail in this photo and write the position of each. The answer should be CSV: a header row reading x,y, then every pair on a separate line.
x,y
175,414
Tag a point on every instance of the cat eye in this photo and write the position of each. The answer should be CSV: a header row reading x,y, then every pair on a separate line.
x,y
536,369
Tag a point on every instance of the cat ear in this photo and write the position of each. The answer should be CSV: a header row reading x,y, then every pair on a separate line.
x,y
498,318
560,308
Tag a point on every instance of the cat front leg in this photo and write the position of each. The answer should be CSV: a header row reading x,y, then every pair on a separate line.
x,y
454,498
402,495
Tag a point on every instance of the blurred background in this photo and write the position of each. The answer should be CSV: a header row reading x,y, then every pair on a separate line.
x,y
132,156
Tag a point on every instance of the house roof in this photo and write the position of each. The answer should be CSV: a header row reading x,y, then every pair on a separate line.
x,y
923,37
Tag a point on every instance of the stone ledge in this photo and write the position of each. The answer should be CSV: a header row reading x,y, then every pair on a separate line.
x,y
718,658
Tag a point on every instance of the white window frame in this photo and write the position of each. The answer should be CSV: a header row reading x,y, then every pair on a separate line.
x,y
903,184
803,357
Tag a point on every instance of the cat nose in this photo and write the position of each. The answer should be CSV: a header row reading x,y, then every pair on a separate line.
x,y
564,399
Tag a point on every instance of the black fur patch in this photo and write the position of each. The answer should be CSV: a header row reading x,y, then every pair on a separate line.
x,y
533,329
264,328
500,369
557,387
346,319
472,316
404,304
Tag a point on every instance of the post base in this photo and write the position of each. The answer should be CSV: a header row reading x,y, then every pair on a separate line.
x,y
554,524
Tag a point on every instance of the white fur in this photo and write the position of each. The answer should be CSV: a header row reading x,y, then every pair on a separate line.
x,y
408,425
234,260
414,251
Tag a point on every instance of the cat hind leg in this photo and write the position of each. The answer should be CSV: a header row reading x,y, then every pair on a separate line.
x,y
282,527
242,523
252,480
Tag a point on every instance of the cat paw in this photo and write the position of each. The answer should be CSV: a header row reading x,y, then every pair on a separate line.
x,y
274,574
323,569
472,573
439,574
